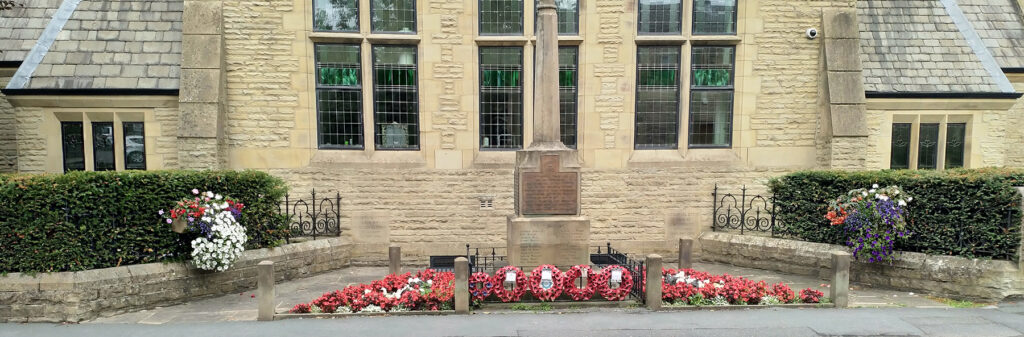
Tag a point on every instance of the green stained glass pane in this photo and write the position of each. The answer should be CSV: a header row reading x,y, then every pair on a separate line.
x,y
900,147
956,134
928,146
712,66
657,96
336,15
338,65
568,92
501,97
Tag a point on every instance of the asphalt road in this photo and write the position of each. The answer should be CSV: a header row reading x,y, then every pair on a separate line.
x,y
1007,320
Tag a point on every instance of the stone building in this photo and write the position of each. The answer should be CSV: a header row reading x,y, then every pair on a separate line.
x,y
412,109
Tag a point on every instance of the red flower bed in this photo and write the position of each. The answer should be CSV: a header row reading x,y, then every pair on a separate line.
x,y
427,290
688,286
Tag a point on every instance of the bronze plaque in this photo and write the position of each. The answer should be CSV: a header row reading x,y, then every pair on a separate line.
x,y
550,192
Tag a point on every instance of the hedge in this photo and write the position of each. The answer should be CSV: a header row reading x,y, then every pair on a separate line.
x,y
89,220
969,213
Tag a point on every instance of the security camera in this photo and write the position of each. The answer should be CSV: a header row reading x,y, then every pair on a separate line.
x,y
812,33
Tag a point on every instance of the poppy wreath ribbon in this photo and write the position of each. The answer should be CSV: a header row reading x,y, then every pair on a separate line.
x,y
481,285
537,288
509,295
577,293
616,294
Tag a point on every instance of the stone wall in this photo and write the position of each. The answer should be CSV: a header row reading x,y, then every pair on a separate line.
x,y
8,133
77,296
947,276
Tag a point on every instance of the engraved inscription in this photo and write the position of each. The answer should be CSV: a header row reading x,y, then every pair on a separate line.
x,y
550,192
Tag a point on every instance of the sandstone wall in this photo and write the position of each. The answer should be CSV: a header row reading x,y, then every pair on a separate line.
x,y
77,296
8,133
947,276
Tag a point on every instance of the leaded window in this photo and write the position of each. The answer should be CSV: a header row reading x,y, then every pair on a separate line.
x,y
501,97
103,146
900,150
660,17
568,91
714,17
568,16
134,145
393,16
395,97
73,143
339,96
928,146
711,96
956,134
501,17
336,15
657,97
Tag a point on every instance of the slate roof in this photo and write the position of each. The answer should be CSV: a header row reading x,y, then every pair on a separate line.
x,y
115,44
1001,26
21,26
914,46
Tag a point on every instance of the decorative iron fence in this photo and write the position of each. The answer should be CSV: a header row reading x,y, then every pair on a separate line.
x,y
313,217
746,213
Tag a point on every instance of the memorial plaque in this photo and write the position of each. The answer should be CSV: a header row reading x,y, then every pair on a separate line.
x,y
562,242
550,192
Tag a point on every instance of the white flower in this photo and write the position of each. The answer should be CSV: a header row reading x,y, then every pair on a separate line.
x,y
902,203
195,191
909,199
871,191
874,186
864,193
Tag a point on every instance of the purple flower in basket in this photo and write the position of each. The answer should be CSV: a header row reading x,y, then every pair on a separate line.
x,y
169,220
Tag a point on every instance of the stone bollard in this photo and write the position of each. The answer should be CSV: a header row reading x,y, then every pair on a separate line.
x,y
395,259
461,286
654,280
685,253
840,289
265,290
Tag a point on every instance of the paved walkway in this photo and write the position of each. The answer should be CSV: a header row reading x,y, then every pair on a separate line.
x,y
242,306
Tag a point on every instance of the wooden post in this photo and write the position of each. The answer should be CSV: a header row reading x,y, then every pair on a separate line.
x,y
461,286
685,253
653,282
395,259
840,289
265,290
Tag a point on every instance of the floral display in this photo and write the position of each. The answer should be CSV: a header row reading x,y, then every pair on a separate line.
x,y
481,285
872,220
811,296
605,279
546,288
512,293
691,287
214,218
427,290
579,293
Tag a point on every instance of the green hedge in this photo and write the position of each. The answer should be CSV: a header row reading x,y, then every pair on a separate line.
x,y
969,213
113,220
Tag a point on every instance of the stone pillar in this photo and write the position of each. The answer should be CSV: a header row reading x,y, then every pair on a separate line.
x,y
461,286
394,259
685,253
545,89
654,280
1020,249
265,290
846,107
840,289
201,97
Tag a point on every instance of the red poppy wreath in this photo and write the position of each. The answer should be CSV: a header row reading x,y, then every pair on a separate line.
x,y
546,290
577,293
614,294
481,285
513,294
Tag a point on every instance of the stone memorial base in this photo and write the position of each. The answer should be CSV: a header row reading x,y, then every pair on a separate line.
x,y
562,241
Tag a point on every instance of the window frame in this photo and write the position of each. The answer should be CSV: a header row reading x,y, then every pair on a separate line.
x,y
557,24
677,95
916,121
124,146
359,23
377,138
362,119
731,88
522,20
113,146
576,97
522,102
64,148
415,20
735,21
682,21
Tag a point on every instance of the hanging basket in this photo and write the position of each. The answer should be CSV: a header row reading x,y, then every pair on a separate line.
x,y
178,225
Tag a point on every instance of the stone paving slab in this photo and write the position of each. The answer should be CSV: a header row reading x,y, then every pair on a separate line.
x,y
242,306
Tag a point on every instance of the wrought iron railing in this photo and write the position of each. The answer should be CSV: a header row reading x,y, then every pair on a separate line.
x,y
745,213
313,217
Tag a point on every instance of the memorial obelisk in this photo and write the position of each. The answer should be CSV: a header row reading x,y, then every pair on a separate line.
x,y
547,227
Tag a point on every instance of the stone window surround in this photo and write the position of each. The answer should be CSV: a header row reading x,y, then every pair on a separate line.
x,y
366,39
686,40
54,145
915,129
